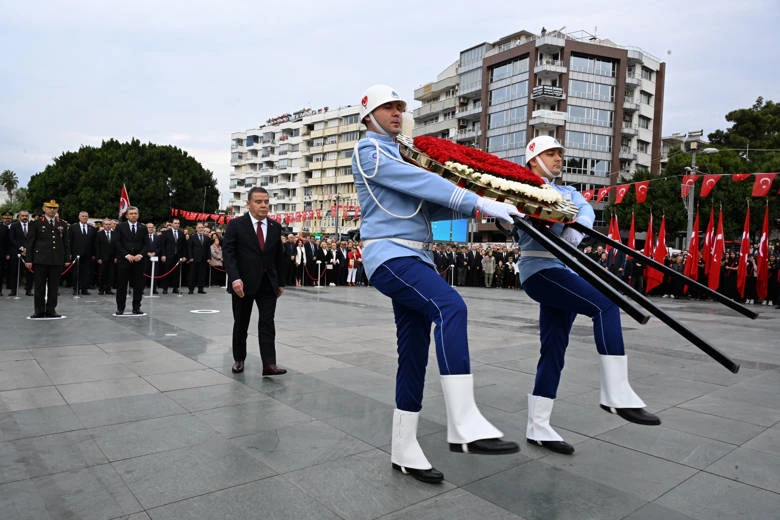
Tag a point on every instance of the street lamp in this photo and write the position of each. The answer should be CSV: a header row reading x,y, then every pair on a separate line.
x,y
691,144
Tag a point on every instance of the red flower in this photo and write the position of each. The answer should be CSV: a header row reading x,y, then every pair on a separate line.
x,y
442,150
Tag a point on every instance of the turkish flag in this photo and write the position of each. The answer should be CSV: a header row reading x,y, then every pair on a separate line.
x,y
641,191
319,213
632,234
762,267
588,194
689,180
738,177
744,251
620,192
648,249
614,231
709,182
709,238
124,201
762,184
603,193
654,277
691,269
718,247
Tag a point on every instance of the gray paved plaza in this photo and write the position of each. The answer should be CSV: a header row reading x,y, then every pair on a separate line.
x,y
106,417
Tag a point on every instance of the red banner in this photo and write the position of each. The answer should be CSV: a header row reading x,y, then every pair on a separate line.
x,y
689,180
744,251
762,184
641,191
718,247
588,194
603,192
762,267
709,182
620,192
654,277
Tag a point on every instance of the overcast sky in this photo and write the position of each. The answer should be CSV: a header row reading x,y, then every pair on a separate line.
x,y
188,73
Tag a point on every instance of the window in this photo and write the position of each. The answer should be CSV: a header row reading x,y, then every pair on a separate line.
x,y
250,181
509,69
499,95
319,125
331,156
645,98
644,122
498,143
347,154
589,65
316,174
508,117
233,183
471,80
588,90
448,115
587,166
332,139
587,141
350,136
333,123
590,116
642,146
283,163
318,141
345,170
472,56
350,120
317,157
330,172
647,74
518,90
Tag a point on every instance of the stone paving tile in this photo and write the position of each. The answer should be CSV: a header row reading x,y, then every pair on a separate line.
x,y
98,390
30,398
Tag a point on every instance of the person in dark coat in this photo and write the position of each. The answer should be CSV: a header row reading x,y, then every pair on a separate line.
x,y
106,257
131,247
174,251
198,255
47,253
82,237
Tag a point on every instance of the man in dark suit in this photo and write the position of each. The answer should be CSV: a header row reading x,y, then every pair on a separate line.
x,y
47,251
174,250
82,244
198,253
131,247
105,255
257,269
153,249
17,234
4,246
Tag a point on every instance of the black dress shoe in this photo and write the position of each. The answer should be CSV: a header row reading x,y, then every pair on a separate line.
x,y
201,291
101,292
53,315
273,370
26,293
12,293
37,316
190,291
154,292
175,291
556,446
634,415
165,291
486,446
137,311
432,476
85,292
119,312
238,367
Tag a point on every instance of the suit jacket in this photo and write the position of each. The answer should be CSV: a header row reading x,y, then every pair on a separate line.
x,y
129,244
47,244
80,244
154,245
16,237
4,241
197,251
243,260
105,250
171,248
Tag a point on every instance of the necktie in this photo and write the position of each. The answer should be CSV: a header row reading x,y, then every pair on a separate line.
x,y
24,226
175,236
201,238
108,234
260,237
150,238
133,229
83,230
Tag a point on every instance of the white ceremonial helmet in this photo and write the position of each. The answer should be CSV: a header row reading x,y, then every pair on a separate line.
x,y
541,144
377,95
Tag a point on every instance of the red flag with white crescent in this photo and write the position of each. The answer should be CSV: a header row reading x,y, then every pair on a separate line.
x,y
744,251
632,234
688,182
709,182
124,201
762,184
641,191
762,263
718,247
654,277
588,194
620,192
648,249
603,193
691,269
709,238
739,177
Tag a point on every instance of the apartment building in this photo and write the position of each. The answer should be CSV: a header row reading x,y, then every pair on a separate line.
x,y
603,101
304,160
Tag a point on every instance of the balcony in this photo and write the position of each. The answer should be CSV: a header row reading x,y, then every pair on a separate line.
x,y
468,134
549,68
629,129
470,114
626,154
547,93
434,107
547,118
550,43
633,81
630,105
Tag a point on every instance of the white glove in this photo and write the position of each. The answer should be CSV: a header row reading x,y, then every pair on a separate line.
x,y
572,236
500,210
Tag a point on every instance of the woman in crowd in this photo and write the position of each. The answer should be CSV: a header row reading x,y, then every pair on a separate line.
x,y
217,271
300,262
489,267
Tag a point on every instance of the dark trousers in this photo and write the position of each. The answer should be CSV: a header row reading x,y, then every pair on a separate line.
x,y
132,272
265,299
198,273
106,275
171,280
82,274
46,276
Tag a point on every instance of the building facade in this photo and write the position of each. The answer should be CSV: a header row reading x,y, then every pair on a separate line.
x,y
304,161
604,102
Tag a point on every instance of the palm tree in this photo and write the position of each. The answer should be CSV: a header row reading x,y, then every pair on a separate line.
x,y
9,181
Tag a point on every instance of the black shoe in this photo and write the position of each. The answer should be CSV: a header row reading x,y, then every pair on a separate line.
x,y
175,291
201,291
154,292
238,367
53,315
85,292
26,293
37,316
12,293
119,312
556,446
165,291
432,476
486,446
75,292
101,292
634,415
137,311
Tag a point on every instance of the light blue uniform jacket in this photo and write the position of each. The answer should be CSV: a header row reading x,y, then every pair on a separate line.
x,y
400,200
530,265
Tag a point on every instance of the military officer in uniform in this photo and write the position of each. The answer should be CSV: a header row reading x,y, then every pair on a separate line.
x,y
47,252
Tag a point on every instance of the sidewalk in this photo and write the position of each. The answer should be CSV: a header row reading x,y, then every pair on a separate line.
x,y
106,417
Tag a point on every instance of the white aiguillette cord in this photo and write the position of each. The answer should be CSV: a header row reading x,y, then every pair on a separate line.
x,y
379,150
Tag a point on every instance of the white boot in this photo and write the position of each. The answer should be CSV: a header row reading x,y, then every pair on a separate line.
x,y
539,411
539,431
616,392
467,428
617,396
405,451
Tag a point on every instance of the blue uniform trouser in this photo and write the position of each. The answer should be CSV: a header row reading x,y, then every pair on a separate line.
x,y
562,295
421,297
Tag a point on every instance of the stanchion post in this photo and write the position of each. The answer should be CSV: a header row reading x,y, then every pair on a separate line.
x,y
151,283
78,267
18,274
319,276
452,275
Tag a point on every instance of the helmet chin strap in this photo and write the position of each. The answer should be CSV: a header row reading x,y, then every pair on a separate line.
x,y
543,166
377,125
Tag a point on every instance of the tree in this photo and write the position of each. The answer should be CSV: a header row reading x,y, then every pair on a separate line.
x,y
18,203
91,180
9,181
